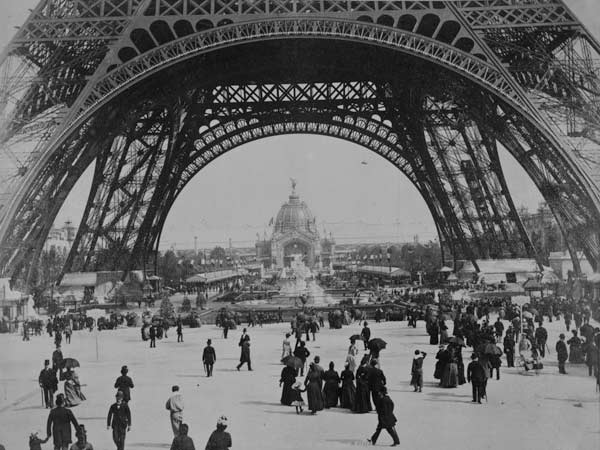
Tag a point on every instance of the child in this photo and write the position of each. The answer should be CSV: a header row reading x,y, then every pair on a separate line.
x,y
297,396
35,443
417,371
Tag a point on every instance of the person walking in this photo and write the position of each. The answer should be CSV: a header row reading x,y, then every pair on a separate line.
x,y
561,353
208,358
119,419
219,439
175,406
59,424
124,383
476,375
376,380
331,387
302,353
179,331
286,349
362,402
365,334
385,418
348,391
417,371
352,354
57,359
183,441
509,349
152,336
49,384
245,354
314,393
541,336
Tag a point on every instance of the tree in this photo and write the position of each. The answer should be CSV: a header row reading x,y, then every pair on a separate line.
x,y
218,254
166,311
167,268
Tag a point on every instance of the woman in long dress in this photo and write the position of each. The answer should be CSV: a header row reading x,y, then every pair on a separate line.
x,y
362,403
331,387
286,348
351,357
73,394
348,394
576,355
450,374
313,389
287,380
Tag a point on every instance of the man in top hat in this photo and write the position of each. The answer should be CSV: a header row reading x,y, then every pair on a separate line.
x,y
561,353
59,424
124,383
208,358
385,418
48,383
119,419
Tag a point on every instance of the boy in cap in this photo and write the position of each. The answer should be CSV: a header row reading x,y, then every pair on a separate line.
x,y
124,383
119,419
49,384
208,358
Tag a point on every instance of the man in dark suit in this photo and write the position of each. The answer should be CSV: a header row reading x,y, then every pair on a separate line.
x,y
245,354
48,383
477,377
385,418
365,334
59,424
376,380
124,383
561,353
152,336
208,358
119,418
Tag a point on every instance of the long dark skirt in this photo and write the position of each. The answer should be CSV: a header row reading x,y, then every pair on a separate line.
x,y
433,338
450,376
348,395
314,395
461,373
287,394
362,403
439,370
330,394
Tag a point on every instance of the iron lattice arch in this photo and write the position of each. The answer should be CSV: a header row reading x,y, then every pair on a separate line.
x,y
152,91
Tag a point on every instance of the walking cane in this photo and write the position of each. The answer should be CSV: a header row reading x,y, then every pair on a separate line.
x,y
547,348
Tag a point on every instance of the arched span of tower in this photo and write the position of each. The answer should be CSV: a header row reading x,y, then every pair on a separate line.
x,y
114,102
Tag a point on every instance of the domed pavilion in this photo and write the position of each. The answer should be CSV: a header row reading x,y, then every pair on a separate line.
x,y
295,234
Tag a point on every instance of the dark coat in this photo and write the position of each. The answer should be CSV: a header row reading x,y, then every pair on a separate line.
x,y
385,412
376,379
182,443
48,379
59,425
331,388
302,353
208,355
476,373
561,351
362,403
118,417
219,440
313,390
348,391
245,355
366,334
124,383
288,378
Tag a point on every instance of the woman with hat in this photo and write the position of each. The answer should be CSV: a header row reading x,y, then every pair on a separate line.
x,y
362,402
219,439
351,356
313,389
348,391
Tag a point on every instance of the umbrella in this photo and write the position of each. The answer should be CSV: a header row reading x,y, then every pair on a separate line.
x,y
456,340
492,349
293,361
377,344
527,315
356,337
69,363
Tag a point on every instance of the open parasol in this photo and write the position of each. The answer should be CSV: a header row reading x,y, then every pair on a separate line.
x,y
356,337
69,363
377,344
293,361
492,349
527,315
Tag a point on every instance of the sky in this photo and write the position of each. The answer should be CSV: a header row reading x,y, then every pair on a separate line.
x,y
237,194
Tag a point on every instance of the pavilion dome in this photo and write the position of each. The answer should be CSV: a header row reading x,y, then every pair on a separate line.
x,y
295,216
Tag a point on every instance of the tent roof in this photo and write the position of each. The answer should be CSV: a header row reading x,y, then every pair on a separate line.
x,y
79,279
502,266
446,269
218,275
395,272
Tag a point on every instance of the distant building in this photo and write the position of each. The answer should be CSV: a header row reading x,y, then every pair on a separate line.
x,y
543,230
61,239
562,264
295,233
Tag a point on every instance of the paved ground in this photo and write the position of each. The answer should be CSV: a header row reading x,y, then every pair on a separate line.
x,y
548,411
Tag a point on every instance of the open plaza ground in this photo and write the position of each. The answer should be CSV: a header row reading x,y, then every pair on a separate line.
x,y
524,411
